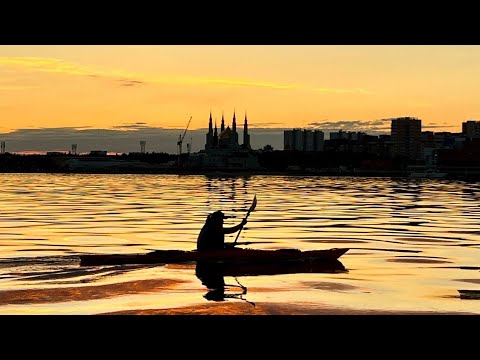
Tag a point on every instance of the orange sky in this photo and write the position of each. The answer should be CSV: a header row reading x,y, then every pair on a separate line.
x,y
279,86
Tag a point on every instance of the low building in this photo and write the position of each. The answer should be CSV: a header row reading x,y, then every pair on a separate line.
x,y
98,153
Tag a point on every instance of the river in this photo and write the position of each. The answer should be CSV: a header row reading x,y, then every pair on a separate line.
x,y
413,243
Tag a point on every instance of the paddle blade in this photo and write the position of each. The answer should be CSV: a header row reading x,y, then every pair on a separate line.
x,y
254,204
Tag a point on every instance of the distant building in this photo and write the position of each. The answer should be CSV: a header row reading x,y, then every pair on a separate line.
x,y
292,139
223,151
303,140
340,135
346,135
98,153
406,137
471,129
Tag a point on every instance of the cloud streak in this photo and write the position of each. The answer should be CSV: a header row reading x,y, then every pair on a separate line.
x,y
237,82
372,126
130,82
343,91
17,87
131,79
46,65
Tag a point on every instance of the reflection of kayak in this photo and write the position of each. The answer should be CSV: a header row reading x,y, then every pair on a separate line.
x,y
469,294
204,269
248,256
212,273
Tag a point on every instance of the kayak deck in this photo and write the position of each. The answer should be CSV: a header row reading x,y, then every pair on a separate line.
x,y
236,255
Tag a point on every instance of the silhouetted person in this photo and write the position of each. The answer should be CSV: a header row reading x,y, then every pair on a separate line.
x,y
212,235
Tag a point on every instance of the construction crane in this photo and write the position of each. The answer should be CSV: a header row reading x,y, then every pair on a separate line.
x,y
180,141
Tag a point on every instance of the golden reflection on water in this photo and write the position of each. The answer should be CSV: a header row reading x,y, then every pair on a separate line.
x,y
410,241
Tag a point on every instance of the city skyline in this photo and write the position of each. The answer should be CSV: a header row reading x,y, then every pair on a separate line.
x,y
37,141
155,89
159,140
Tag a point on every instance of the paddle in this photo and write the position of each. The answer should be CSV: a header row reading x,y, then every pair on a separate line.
x,y
252,207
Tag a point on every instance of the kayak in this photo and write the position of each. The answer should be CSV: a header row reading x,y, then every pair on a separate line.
x,y
235,255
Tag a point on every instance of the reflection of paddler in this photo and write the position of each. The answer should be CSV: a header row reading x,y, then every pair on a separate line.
x,y
211,276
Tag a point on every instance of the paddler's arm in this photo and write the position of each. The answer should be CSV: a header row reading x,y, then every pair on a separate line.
x,y
235,228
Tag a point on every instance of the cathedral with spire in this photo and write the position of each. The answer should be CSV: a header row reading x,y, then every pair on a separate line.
x,y
228,137
223,150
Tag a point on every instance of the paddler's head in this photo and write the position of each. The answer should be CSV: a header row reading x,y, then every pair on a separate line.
x,y
217,217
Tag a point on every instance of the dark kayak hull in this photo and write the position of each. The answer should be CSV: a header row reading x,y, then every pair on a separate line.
x,y
249,256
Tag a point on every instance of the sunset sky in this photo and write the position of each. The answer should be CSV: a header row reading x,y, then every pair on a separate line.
x,y
44,89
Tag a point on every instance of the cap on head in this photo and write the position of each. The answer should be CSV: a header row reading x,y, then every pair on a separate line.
x,y
218,215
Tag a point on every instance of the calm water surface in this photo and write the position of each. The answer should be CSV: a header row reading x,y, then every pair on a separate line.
x,y
413,243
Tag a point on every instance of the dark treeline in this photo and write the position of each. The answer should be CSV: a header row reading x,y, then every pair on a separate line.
x,y
56,163
28,163
282,160
275,161
458,163
151,158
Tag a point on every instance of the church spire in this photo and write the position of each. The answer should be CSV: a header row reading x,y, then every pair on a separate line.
x,y
215,135
209,136
234,123
222,127
246,136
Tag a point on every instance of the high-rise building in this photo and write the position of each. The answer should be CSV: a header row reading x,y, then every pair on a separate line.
x,y
471,129
406,137
303,140
293,140
347,135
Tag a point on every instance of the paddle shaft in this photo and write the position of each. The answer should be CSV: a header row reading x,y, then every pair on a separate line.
x,y
252,207
246,217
